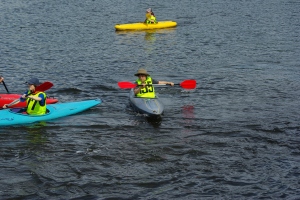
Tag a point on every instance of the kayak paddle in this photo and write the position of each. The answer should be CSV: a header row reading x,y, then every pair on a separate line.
x,y
186,84
43,87
5,87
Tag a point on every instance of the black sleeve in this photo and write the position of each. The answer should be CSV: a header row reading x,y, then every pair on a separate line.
x,y
154,81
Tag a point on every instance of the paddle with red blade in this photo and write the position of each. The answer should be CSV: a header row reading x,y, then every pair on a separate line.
x,y
186,84
43,87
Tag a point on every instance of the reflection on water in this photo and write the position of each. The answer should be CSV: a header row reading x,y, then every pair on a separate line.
x,y
154,121
188,121
158,31
37,133
141,119
150,37
188,112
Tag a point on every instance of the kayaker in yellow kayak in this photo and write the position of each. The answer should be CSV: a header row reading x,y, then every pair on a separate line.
x,y
36,100
150,17
145,88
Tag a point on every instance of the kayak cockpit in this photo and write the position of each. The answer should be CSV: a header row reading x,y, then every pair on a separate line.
x,y
150,106
22,111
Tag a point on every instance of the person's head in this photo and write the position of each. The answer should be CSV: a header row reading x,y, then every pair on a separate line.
x,y
142,74
33,83
149,10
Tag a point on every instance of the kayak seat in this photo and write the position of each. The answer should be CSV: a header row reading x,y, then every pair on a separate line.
x,y
144,97
18,110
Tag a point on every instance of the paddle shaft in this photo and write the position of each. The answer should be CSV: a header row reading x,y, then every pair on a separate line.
x,y
5,87
187,84
13,103
17,100
156,84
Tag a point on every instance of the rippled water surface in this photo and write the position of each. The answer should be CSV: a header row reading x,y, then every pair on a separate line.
x,y
236,136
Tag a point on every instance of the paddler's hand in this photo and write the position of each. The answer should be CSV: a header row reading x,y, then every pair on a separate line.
x,y
137,89
24,96
5,106
171,83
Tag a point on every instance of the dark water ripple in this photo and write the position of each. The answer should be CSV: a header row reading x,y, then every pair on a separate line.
x,y
235,137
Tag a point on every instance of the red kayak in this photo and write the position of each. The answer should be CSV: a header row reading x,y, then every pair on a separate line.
x,y
8,98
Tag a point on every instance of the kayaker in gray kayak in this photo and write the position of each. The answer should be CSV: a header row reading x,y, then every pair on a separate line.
x,y
145,88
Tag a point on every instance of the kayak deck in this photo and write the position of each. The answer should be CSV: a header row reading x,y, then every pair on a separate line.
x,y
15,117
151,107
144,26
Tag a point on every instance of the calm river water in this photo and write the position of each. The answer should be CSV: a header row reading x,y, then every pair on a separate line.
x,y
236,136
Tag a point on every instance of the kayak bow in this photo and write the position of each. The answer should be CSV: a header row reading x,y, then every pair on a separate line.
x,y
151,107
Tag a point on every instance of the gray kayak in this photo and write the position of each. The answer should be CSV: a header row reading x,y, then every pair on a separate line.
x,y
152,107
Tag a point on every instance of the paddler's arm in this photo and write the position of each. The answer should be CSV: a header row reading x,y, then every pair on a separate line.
x,y
11,104
34,98
166,82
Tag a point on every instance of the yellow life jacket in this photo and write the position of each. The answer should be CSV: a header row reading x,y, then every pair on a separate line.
x,y
34,107
148,90
150,17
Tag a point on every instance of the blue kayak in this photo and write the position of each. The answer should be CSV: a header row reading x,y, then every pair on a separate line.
x,y
151,107
15,116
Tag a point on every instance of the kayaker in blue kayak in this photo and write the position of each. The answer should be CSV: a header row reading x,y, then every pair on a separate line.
x,y
145,88
150,17
36,100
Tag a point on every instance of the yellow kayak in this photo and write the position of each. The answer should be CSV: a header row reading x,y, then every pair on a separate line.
x,y
143,26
